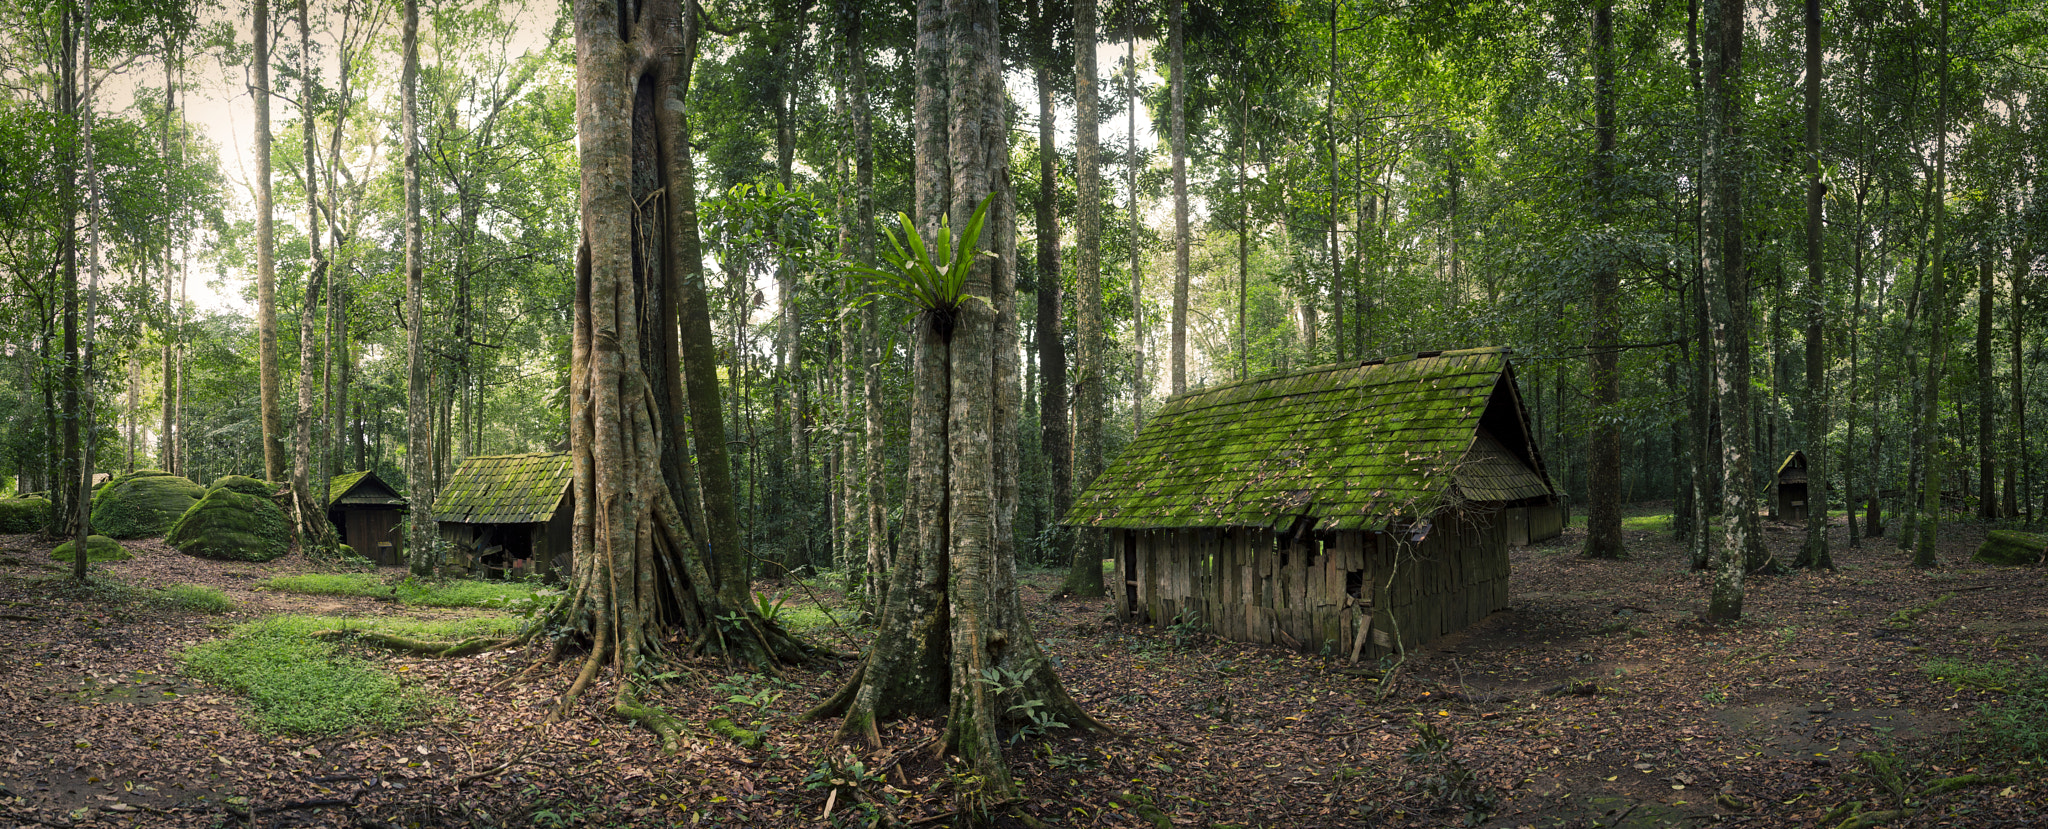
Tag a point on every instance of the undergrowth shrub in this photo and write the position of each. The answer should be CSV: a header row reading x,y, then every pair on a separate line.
x,y
24,515
2015,726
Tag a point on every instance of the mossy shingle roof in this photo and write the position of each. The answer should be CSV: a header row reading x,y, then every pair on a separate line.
x,y
362,488
504,489
1350,446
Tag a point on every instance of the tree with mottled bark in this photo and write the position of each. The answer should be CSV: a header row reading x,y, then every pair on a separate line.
x,y
1178,92
1091,394
1727,296
1932,441
953,640
309,503
422,551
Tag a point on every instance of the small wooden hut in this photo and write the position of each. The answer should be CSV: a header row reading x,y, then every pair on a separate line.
x,y
1362,506
1791,502
367,513
507,515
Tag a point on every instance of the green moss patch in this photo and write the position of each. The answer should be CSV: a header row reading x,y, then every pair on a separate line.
x,y
451,593
24,515
97,548
197,598
232,526
297,684
244,485
2012,547
143,503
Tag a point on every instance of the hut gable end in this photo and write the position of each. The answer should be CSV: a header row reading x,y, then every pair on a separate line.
x,y
1351,446
504,489
363,488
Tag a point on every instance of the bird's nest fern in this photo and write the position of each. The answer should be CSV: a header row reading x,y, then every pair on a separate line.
x,y
935,287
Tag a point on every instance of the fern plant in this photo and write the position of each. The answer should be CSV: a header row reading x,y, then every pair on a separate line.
x,y
928,285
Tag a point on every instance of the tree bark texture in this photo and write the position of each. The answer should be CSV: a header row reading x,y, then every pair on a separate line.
x,y
1177,69
266,261
315,532
421,539
1814,553
1054,439
1603,470
1727,296
1931,466
1091,397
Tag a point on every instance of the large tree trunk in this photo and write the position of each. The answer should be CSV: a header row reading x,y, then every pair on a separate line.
x,y
1727,296
1814,553
953,618
422,547
266,262
1084,576
1054,440
1177,68
1603,471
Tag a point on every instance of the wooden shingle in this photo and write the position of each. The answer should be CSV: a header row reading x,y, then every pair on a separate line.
x,y
504,489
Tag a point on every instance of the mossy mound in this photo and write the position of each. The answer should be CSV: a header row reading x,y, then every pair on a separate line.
x,y
142,503
97,548
2011,547
24,515
243,484
230,525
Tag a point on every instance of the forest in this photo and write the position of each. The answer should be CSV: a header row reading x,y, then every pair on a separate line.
x,y
663,412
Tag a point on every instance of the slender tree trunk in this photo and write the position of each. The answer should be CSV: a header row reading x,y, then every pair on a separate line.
x,y
1727,294
1987,392
2016,428
1603,472
1053,437
1177,68
311,525
1814,553
1084,577
1244,228
1930,420
166,459
1140,376
1337,327
274,458
83,524
422,547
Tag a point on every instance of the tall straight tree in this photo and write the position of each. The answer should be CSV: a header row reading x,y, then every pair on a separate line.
x,y
1603,471
1936,299
82,526
953,618
1177,68
1091,393
419,424
1054,439
1814,553
308,502
266,261
1727,294
1138,370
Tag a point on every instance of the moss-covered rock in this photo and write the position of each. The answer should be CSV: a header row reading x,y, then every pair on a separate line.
x,y
244,484
142,503
2012,547
230,525
24,515
97,548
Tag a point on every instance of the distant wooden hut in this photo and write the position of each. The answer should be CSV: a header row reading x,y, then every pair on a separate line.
x,y
1361,506
367,514
1791,502
507,514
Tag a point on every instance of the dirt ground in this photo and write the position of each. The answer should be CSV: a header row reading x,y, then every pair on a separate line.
x,y
1595,699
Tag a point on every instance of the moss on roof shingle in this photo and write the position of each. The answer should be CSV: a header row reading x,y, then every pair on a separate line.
x,y
504,489
1350,445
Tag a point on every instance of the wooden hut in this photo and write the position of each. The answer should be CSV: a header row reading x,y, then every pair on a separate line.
x,y
1361,507
1791,478
367,513
507,515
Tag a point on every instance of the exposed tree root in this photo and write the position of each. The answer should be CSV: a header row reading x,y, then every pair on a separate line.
x,y
628,705
421,647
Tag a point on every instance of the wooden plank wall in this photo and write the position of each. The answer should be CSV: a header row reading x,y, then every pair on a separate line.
x,y
1546,522
1244,586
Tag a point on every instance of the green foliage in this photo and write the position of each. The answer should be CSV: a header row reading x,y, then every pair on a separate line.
x,y
232,526
2015,726
512,596
297,684
198,599
97,548
1443,778
142,503
914,277
24,515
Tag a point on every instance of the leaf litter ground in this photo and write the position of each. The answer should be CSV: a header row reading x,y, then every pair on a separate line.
x,y
1595,699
